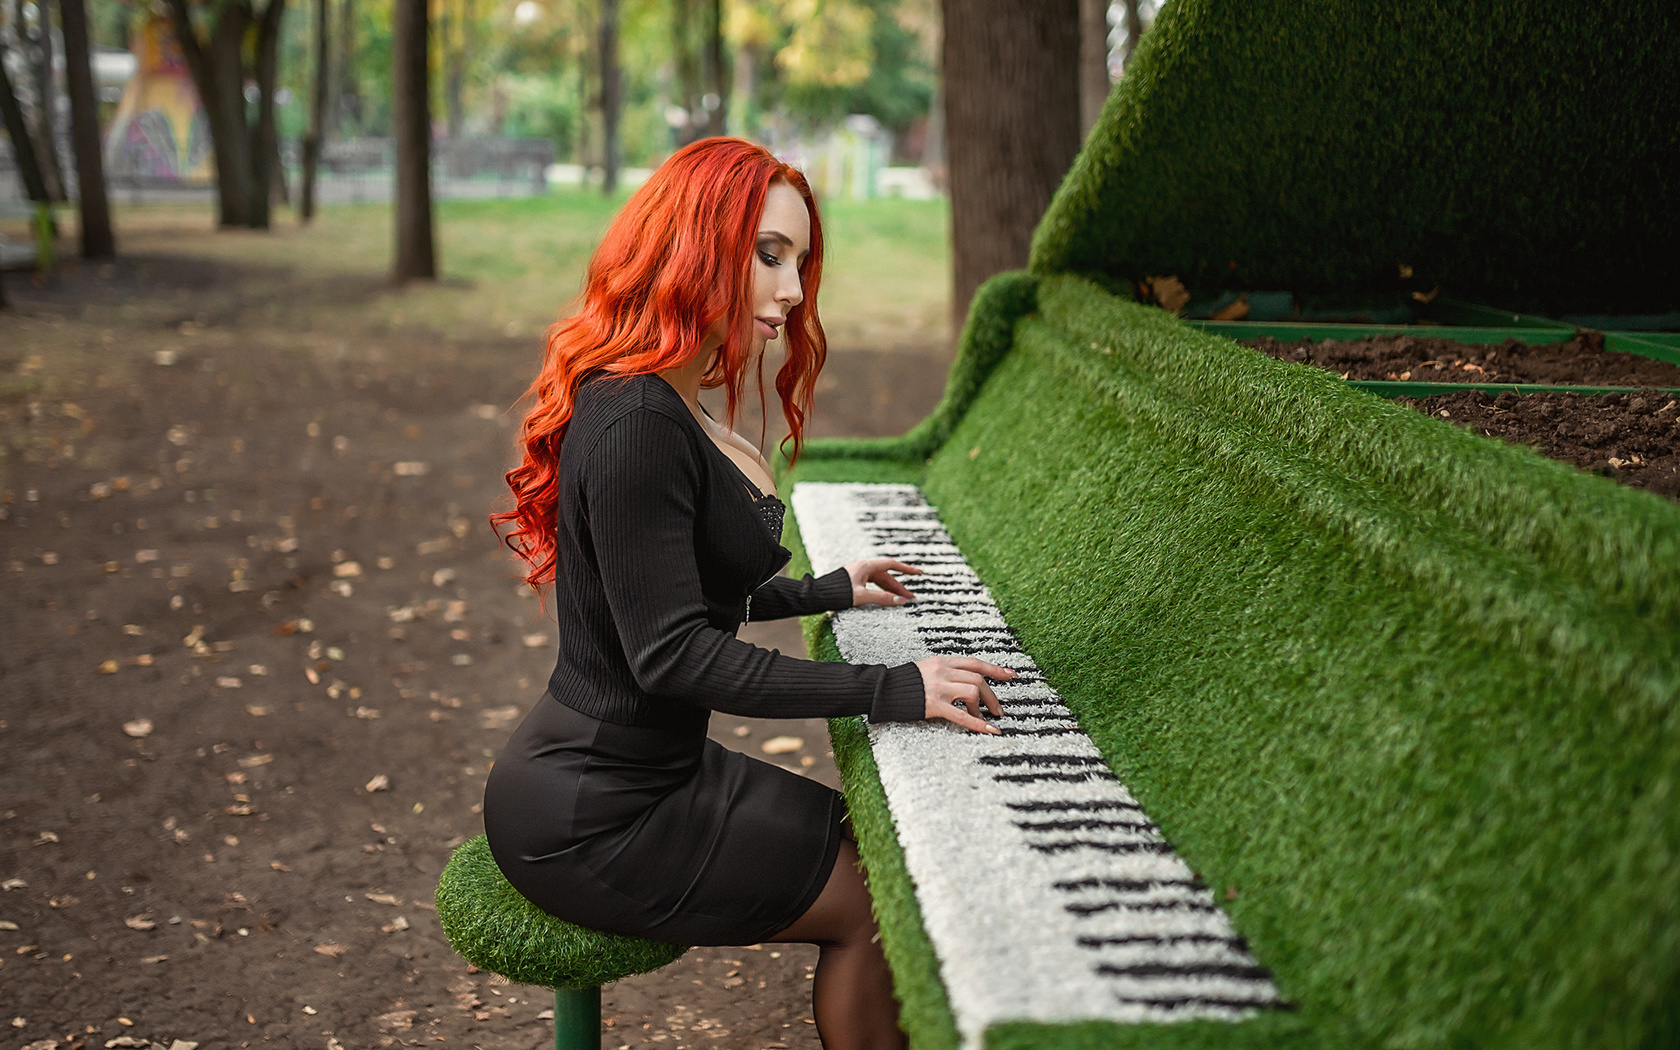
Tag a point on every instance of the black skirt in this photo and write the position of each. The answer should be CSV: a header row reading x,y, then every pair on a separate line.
x,y
657,831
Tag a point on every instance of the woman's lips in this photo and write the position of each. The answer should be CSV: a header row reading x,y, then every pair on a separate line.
x,y
765,328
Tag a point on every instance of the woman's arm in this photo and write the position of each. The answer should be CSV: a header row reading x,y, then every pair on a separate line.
x,y
843,588
641,486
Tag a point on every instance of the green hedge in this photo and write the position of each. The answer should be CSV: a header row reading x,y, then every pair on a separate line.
x,y
1411,692
1521,152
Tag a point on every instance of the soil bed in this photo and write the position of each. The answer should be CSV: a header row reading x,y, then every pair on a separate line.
x,y
1632,438
1580,361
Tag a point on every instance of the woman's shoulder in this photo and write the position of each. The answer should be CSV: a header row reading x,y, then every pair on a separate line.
x,y
612,403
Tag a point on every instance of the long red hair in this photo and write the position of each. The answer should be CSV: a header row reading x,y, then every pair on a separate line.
x,y
677,259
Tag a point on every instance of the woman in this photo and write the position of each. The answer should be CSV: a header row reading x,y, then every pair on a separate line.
x,y
660,531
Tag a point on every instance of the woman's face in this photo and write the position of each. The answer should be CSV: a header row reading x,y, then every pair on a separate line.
x,y
784,239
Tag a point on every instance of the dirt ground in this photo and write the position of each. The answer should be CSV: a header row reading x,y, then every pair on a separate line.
x,y
260,648
1632,438
1578,361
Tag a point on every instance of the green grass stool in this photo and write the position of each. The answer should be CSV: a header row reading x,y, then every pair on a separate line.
x,y
496,929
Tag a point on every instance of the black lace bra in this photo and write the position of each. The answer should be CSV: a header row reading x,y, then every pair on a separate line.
x,y
770,511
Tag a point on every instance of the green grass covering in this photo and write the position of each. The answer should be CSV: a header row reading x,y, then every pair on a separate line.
x,y
1408,691
496,929
1516,151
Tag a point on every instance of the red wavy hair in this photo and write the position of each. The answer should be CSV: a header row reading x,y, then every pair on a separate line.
x,y
677,259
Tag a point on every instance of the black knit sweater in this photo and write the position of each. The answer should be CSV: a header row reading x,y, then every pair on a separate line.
x,y
659,549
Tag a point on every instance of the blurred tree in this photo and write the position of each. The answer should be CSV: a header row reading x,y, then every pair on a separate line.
x,y
32,25
317,110
227,43
611,96
23,143
91,201
1012,128
1093,62
411,118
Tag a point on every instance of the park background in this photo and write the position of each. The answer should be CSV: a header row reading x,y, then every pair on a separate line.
x,y
262,645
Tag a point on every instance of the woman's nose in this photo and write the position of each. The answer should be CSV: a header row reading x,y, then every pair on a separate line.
x,y
790,291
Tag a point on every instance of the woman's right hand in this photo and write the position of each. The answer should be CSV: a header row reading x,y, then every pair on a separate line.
x,y
955,688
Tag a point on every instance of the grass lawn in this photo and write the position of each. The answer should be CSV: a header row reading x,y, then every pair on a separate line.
x,y
509,266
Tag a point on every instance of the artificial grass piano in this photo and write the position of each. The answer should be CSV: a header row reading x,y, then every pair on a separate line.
x,y
1400,697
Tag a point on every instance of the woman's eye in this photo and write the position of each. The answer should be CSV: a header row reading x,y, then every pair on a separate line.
x,y
768,258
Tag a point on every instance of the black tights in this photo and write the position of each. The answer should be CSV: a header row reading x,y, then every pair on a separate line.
x,y
851,994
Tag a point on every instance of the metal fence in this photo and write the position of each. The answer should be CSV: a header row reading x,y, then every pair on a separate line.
x,y
353,171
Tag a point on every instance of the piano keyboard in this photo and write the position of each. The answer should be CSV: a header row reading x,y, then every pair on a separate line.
x,y
1045,889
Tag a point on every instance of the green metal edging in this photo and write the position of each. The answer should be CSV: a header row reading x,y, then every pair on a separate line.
x,y
1454,312
1657,346
1391,389
1308,330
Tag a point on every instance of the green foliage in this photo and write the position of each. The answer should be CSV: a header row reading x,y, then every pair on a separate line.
x,y
544,106
853,56
1515,151
1408,692
496,929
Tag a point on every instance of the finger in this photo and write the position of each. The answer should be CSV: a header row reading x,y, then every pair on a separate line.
x,y
960,717
870,596
992,671
991,701
889,584
894,565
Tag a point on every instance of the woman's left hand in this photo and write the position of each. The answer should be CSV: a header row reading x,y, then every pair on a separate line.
x,y
887,589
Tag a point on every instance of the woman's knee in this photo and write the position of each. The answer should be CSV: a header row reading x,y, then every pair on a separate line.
x,y
841,913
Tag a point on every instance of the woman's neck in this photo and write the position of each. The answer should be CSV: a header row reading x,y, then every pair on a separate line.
x,y
685,379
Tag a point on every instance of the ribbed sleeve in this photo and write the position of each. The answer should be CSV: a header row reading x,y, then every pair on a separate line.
x,y
641,481
782,597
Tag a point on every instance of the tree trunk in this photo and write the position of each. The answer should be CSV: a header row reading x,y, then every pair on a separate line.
x,y
455,68
95,208
687,86
1093,62
23,145
611,85
218,73
717,72
317,111
268,177
1011,128
347,100
46,134
411,120
1134,30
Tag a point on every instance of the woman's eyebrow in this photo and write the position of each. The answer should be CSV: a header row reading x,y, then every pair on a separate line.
x,y
779,236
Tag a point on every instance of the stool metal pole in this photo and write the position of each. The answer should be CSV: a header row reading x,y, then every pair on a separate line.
x,y
577,1018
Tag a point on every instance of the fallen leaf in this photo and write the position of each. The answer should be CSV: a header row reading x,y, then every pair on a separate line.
x,y
782,745
331,949
384,898
396,925
411,468
253,761
14,884
7,924
347,569
108,667
1234,312
277,866
256,710
380,782
143,921
1169,292
153,959
228,681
